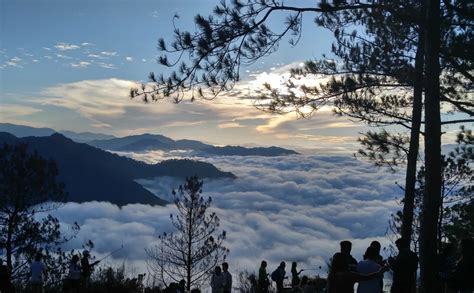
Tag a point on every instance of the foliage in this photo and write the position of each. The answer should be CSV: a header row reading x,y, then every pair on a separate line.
x,y
29,191
456,215
196,247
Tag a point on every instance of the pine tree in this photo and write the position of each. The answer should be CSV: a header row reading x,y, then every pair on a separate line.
x,y
196,247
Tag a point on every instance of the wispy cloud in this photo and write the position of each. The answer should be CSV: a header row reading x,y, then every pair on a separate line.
x,y
128,58
66,46
86,44
107,65
109,53
14,110
81,64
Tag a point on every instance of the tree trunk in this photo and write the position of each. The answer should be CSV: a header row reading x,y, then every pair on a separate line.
x,y
432,195
410,179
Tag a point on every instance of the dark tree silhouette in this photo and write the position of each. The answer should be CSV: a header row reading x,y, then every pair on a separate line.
x,y
28,191
196,247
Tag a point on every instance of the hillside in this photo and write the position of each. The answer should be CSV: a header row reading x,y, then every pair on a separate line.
x,y
91,174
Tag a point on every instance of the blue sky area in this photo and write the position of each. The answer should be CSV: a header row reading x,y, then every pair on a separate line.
x,y
69,64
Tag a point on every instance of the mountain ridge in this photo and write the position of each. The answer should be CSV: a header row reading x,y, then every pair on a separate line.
x,y
90,173
148,142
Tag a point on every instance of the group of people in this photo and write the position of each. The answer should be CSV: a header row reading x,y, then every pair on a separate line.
x,y
78,278
221,279
345,271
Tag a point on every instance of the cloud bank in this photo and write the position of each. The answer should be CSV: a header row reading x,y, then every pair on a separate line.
x,y
294,208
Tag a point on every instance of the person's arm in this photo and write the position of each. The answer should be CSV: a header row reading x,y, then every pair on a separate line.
x,y
357,277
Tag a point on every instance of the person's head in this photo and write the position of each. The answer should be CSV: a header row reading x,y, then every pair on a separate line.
x,y
401,243
217,270
375,244
263,264
293,265
75,258
225,266
282,264
182,283
339,263
371,253
38,256
346,247
86,253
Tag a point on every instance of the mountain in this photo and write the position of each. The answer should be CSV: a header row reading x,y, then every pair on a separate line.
x,y
24,131
91,174
85,136
147,142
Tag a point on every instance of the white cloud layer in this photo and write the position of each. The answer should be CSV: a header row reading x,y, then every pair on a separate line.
x,y
294,208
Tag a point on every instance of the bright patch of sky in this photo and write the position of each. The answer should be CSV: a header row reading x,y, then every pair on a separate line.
x,y
69,65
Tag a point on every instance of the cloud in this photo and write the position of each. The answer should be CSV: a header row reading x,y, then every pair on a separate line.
x,y
128,58
14,110
109,53
81,64
106,65
294,208
86,44
66,46
230,125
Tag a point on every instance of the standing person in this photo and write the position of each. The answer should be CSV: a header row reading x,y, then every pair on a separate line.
x,y
86,269
74,276
278,276
379,260
5,279
404,267
346,247
464,272
38,273
263,281
227,277
295,275
341,280
368,266
217,281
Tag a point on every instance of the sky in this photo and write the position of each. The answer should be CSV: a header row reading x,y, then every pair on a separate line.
x,y
69,65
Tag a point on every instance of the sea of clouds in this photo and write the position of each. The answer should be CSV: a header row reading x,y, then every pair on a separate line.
x,y
293,208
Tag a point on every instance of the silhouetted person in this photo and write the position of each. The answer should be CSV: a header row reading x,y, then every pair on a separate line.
x,y
74,276
217,281
86,269
295,275
38,273
379,260
5,279
464,272
341,280
404,267
263,281
346,247
227,277
447,265
181,286
278,276
368,266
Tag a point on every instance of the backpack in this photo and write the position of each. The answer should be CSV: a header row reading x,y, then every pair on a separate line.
x,y
275,275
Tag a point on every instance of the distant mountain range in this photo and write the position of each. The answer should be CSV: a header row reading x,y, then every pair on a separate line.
x,y
91,174
147,142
